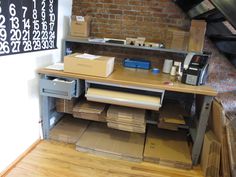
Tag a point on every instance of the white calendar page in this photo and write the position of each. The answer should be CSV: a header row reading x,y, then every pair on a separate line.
x,y
27,25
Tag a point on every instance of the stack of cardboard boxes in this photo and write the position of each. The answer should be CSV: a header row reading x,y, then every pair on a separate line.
x,y
126,119
90,111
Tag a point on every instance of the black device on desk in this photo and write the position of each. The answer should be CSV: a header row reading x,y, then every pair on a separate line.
x,y
195,69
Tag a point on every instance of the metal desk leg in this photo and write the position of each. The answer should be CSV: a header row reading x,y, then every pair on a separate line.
x,y
46,118
201,128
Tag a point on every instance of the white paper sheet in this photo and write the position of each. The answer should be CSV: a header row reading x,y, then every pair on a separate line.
x,y
87,56
56,66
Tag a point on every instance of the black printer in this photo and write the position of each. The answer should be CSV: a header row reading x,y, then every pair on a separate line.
x,y
195,69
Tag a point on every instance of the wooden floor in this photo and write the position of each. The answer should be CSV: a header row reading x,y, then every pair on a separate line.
x,y
54,159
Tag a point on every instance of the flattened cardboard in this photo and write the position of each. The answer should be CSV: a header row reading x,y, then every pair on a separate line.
x,y
126,119
126,114
197,35
68,130
100,139
102,66
65,106
231,139
129,128
90,111
177,39
217,125
175,116
167,148
210,158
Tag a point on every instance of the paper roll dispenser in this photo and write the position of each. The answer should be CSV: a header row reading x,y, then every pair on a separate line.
x,y
195,69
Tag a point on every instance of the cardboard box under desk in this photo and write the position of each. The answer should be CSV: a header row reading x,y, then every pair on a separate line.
x,y
167,148
90,111
210,158
80,28
126,119
102,66
68,129
65,106
101,140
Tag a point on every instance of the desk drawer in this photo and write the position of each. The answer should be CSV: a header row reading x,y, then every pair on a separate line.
x,y
61,88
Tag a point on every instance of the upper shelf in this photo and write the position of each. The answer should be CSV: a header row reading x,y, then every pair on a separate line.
x,y
86,41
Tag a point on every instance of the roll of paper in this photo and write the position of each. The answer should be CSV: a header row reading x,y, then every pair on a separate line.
x,y
167,66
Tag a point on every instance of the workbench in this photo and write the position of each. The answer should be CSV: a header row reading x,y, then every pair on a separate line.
x,y
134,79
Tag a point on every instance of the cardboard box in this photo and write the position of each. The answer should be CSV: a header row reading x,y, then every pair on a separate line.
x,y
87,64
90,111
210,158
174,119
101,140
231,139
217,125
197,35
126,119
177,39
167,148
68,130
80,26
65,106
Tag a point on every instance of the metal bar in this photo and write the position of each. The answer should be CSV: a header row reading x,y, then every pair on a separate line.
x,y
125,86
45,118
227,8
203,7
86,41
201,128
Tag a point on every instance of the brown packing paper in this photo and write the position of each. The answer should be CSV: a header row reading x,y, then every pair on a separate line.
x,y
123,98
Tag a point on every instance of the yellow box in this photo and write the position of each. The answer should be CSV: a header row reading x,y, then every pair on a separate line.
x,y
87,64
80,27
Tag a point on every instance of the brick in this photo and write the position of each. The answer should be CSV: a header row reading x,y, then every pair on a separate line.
x,y
132,18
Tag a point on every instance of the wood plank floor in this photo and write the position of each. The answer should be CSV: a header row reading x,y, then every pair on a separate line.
x,y
55,159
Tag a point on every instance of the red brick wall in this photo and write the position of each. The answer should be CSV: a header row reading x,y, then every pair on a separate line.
x,y
132,18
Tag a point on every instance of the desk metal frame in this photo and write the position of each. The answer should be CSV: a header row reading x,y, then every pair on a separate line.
x,y
197,134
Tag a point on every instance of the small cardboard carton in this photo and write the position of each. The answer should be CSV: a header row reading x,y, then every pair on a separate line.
x,y
68,130
87,64
177,39
80,26
90,111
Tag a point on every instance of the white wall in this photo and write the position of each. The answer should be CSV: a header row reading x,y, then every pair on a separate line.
x,y
19,93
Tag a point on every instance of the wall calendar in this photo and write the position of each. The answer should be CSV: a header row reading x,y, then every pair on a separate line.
x,y
27,25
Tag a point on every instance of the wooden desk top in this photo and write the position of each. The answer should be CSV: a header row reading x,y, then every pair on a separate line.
x,y
139,78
